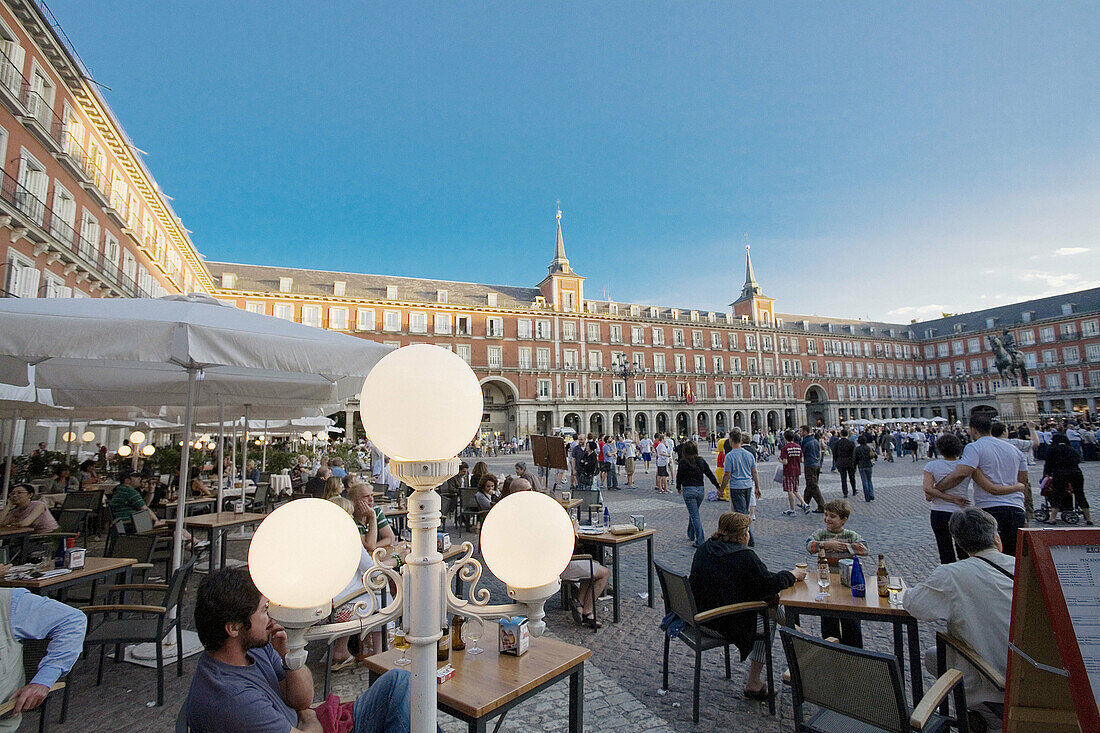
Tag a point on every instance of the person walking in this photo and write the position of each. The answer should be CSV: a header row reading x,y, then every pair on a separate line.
x,y
811,467
864,457
790,455
844,454
689,482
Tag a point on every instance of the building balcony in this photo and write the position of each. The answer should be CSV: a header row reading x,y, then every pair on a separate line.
x,y
41,120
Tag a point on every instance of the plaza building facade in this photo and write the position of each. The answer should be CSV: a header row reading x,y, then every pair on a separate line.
x,y
82,216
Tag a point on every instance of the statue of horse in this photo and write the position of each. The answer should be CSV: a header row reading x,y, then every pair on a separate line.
x,y
1009,360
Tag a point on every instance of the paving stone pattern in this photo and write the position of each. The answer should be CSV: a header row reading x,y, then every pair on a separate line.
x,y
623,677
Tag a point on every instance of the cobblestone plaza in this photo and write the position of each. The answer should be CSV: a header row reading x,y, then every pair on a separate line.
x,y
622,678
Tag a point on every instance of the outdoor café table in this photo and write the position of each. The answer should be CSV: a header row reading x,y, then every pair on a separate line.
x,y
397,517
169,509
16,534
799,599
280,484
219,522
570,504
490,684
94,570
615,541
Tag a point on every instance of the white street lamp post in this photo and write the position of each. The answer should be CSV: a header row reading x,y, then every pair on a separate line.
x,y
420,405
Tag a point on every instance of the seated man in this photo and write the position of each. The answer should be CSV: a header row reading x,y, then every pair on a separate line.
x,y
373,524
27,616
974,597
241,684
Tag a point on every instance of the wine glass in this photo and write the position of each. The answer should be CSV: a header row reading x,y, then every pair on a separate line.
x,y
823,582
401,642
472,630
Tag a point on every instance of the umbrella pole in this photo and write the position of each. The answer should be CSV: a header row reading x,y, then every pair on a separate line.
x,y
9,457
185,483
244,451
263,457
69,444
221,458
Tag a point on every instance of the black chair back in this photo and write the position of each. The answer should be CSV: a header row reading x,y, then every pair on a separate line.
x,y
863,685
259,499
71,522
142,522
677,592
137,546
83,500
468,499
176,585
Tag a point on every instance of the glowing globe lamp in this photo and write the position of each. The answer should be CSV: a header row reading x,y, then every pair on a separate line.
x,y
527,540
137,437
125,451
88,436
307,436
304,553
148,450
421,403
68,437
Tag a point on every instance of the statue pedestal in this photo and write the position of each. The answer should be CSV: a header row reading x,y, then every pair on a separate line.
x,y
1017,404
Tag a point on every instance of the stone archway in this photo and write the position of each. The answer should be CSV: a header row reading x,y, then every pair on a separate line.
x,y
683,426
755,420
595,424
739,419
660,423
499,414
641,425
720,423
815,405
702,424
618,423
773,421
572,420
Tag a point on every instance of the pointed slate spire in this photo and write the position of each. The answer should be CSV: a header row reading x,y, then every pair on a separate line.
x,y
561,262
751,287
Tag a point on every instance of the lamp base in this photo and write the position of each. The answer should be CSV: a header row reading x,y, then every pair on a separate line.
x,y
535,599
296,621
424,475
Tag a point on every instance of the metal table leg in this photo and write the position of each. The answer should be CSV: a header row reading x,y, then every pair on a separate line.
x,y
649,567
576,700
899,646
618,581
915,669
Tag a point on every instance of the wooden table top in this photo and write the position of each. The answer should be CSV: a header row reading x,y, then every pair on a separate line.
x,y
570,504
15,531
484,682
801,595
92,565
392,511
450,552
221,519
607,538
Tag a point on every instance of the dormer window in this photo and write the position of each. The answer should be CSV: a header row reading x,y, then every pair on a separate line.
x,y
695,315
442,296
286,284
712,317
635,311
675,314
339,288
653,313
1027,316
958,327
990,322
540,301
1068,309
491,300
229,280
391,292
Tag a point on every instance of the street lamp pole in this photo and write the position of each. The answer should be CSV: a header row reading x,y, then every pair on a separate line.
x,y
960,383
626,371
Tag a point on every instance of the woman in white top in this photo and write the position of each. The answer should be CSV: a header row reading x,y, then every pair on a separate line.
x,y
664,454
945,503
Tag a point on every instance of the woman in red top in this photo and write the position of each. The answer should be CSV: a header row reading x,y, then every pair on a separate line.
x,y
790,455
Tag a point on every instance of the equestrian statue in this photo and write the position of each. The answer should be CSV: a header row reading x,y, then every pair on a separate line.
x,y
1009,359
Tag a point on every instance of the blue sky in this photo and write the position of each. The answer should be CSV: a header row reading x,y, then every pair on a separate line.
x,y
886,160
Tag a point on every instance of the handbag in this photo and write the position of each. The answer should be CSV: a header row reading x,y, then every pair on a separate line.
x,y
778,477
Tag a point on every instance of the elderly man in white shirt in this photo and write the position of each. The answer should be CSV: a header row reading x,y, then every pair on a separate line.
x,y
974,597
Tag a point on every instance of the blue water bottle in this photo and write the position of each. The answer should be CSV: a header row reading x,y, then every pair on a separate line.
x,y
606,518
859,586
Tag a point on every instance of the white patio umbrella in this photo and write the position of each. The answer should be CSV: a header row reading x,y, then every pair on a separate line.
x,y
937,418
180,350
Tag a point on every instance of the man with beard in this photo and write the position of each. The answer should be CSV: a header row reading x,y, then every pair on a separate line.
x,y
241,683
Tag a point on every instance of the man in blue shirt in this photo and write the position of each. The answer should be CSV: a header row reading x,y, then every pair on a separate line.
x,y
740,473
25,616
241,683
811,463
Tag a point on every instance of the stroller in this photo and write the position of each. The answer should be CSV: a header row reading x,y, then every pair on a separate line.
x,y
1057,505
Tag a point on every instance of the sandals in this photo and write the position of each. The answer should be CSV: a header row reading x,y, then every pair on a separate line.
x,y
345,664
578,617
590,620
761,694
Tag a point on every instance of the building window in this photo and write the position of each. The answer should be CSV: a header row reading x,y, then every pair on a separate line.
x,y
719,391
286,284
1090,328
658,337
616,334
286,312
595,388
1027,338
543,358
491,300
1054,382
391,320
754,391
680,363
338,319
658,362
637,335
568,331
639,390
733,341
1092,352
594,332
542,329
418,322
443,323
523,327
569,358
617,390
364,319
570,389
496,357
717,363
463,351
697,339
660,390
464,326
311,315
1046,335
678,337
494,327
1071,355
256,308
700,365
715,340
750,342
595,360
525,358
543,389
442,296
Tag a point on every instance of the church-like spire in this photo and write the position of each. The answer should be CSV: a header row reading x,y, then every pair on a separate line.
x,y
561,262
751,287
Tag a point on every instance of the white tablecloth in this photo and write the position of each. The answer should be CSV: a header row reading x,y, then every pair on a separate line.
x,y
280,484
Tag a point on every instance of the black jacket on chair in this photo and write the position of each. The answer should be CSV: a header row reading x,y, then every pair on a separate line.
x,y
723,573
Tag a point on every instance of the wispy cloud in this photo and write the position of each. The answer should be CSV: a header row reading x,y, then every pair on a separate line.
x,y
917,311
1070,251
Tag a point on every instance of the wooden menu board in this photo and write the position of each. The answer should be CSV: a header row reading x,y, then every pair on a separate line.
x,y
1053,680
548,451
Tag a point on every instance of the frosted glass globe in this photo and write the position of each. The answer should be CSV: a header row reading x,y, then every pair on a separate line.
x,y
124,451
148,450
527,539
88,436
421,403
137,437
304,552
68,437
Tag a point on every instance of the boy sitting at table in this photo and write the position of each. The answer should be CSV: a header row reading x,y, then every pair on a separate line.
x,y
839,543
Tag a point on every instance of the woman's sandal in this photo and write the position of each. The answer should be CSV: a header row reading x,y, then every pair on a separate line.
x,y
590,620
345,664
761,694
578,617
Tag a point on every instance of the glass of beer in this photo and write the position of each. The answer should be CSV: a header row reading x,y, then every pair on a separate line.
x,y
823,582
402,643
893,586
472,630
